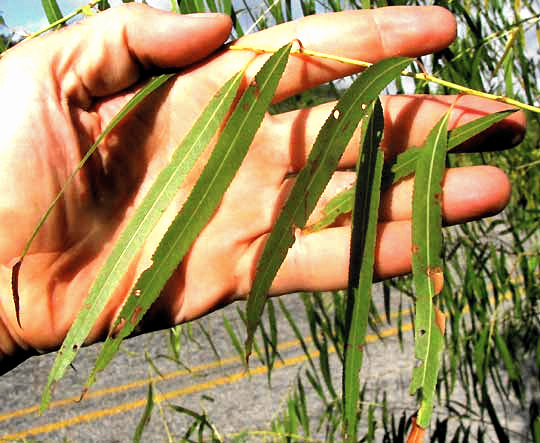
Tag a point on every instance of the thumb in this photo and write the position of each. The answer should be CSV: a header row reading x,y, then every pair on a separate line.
x,y
109,52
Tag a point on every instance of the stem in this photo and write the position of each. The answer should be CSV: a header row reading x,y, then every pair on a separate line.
x,y
62,20
417,76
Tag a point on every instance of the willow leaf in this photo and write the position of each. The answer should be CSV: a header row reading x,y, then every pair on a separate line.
x,y
52,10
403,165
231,148
467,131
362,258
143,221
341,204
150,87
427,266
313,178
67,353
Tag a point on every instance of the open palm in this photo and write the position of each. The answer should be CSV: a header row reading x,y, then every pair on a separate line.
x,y
58,93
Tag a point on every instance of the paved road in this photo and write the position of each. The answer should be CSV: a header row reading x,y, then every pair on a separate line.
x,y
234,400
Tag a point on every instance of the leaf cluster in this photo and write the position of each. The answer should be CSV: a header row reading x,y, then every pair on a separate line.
x,y
484,276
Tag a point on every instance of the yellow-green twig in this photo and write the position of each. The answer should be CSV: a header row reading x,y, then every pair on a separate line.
x,y
64,19
418,76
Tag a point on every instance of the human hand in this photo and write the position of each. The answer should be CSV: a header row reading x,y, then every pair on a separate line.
x,y
58,92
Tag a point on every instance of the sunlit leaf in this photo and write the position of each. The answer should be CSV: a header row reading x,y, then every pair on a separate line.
x,y
428,267
143,221
362,258
313,178
230,150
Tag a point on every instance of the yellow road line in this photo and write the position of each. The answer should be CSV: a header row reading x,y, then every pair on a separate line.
x,y
198,387
143,382
139,383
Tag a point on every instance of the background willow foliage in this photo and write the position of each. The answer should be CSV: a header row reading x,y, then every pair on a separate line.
x,y
492,267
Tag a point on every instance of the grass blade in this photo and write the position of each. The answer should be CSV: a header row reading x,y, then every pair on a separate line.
x,y
230,150
147,413
313,178
363,237
428,268
143,221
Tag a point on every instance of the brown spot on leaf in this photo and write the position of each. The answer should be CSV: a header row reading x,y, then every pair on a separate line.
x,y
256,89
120,324
137,293
438,198
436,276
417,434
135,316
359,347
415,249
440,319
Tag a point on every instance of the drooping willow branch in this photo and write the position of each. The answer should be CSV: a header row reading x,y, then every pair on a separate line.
x,y
422,76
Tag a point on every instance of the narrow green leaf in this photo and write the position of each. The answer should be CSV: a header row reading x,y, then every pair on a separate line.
x,y
508,360
362,258
52,10
341,204
236,342
149,88
428,267
463,133
143,221
4,39
147,413
313,178
230,150
103,5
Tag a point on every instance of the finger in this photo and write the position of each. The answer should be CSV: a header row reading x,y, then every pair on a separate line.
x,y
408,121
469,193
320,261
368,35
109,52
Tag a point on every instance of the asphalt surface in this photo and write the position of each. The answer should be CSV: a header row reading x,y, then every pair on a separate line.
x,y
235,401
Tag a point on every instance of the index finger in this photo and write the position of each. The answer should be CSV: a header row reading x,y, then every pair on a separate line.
x,y
368,35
